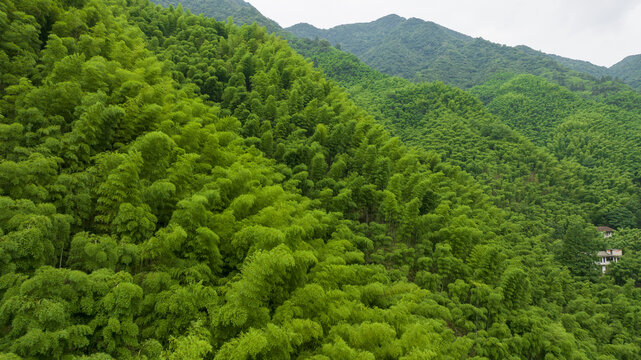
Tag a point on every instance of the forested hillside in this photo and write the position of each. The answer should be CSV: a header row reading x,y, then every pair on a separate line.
x,y
241,11
538,108
174,187
629,70
424,51
568,139
602,167
581,66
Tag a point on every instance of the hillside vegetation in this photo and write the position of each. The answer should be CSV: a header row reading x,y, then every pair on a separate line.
x,y
629,70
174,187
241,11
424,51
535,168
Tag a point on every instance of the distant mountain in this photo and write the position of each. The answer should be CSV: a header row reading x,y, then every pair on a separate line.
x,y
580,65
629,70
241,11
424,51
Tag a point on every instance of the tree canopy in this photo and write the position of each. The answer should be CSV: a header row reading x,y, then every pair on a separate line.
x,y
174,187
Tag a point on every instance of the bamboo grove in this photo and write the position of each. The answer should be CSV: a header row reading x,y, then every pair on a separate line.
x,y
174,187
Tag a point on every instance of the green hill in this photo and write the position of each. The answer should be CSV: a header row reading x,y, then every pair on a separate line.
x,y
447,120
230,203
424,51
602,135
241,11
581,66
629,70
173,187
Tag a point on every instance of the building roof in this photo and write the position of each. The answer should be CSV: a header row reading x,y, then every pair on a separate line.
x,y
610,253
604,229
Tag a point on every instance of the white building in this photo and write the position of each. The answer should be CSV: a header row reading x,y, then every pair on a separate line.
x,y
607,257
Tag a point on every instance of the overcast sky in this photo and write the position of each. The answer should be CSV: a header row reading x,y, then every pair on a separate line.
x,y
600,31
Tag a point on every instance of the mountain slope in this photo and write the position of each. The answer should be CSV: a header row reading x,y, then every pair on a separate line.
x,y
600,200
602,135
424,51
258,213
173,187
241,11
447,120
629,70
581,66
599,203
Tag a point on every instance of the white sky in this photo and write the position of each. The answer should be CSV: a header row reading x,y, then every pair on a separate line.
x,y
600,31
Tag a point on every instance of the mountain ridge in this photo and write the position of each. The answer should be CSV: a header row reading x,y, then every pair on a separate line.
x,y
629,69
241,11
425,51
447,45
244,13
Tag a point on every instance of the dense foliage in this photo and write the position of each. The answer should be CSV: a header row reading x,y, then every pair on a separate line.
x,y
533,181
174,187
582,66
629,70
600,134
241,11
424,51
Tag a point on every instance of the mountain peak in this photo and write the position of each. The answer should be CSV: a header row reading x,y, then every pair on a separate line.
x,y
303,25
389,20
391,17
628,70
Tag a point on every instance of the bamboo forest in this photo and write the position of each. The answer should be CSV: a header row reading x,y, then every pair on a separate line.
x,y
213,186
